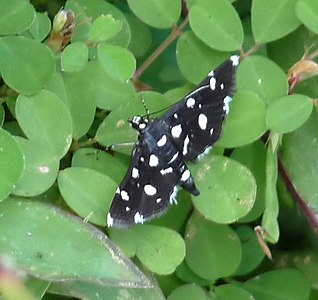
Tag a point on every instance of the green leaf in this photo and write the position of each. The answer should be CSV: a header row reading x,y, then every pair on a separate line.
x,y
100,161
83,90
207,244
104,28
11,163
37,116
41,168
34,61
88,290
157,13
217,24
279,284
246,109
16,16
125,240
307,13
269,219
86,11
288,113
231,186
35,246
141,38
88,192
109,93
159,249
190,3
168,283
76,90
252,253
231,291
74,57
273,19
299,155
187,275
263,77
188,291
118,62
253,157
40,28
192,51
299,259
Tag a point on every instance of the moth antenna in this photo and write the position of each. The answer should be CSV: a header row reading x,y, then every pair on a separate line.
x,y
144,105
149,114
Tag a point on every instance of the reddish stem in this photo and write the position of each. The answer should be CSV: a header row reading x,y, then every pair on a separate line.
x,y
176,32
306,209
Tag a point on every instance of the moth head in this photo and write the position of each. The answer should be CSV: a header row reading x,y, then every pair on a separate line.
x,y
138,122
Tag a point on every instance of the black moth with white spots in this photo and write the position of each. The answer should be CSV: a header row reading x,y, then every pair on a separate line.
x,y
186,132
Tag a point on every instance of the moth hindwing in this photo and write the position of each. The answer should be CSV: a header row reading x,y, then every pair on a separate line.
x,y
185,132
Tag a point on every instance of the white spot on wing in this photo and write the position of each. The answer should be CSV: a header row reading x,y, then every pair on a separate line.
x,y
176,131
173,196
124,195
142,159
174,157
202,121
138,218
158,200
142,126
212,83
211,131
110,220
150,190
176,115
198,90
153,160
222,86
211,73
162,141
185,145
186,175
190,102
135,173
118,191
235,60
127,208
226,102
166,171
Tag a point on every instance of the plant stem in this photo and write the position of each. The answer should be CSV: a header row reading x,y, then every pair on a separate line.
x,y
306,209
176,32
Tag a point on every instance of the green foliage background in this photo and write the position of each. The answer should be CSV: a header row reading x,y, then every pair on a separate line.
x,y
66,92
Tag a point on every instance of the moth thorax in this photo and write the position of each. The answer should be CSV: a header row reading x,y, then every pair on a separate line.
x,y
138,123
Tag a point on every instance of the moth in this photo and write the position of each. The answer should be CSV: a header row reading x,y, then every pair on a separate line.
x,y
185,132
